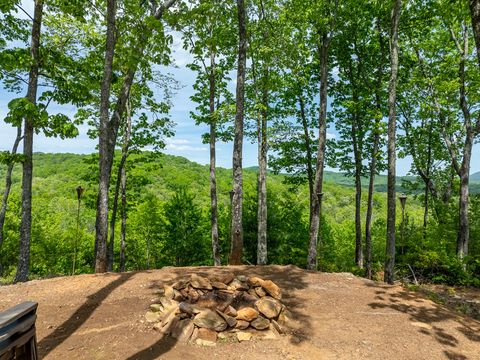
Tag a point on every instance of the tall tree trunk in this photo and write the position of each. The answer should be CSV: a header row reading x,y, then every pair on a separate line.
x,y
123,229
237,199
392,117
371,188
315,217
23,266
8,187
217,261
109,128
121,168
104,164
475,131
308,150
374,155
357,153
475,15
262,176
426,200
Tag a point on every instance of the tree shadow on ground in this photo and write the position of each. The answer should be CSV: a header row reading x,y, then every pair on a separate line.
x,y
427,317
289,278
80,316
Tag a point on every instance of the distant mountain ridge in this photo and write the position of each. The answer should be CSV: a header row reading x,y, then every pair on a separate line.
x,y
475,177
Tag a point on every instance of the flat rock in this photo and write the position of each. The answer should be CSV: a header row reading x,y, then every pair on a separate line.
x,y
169,292
179,285
219,285
276,327
238,285
153,316
242,278
231,321
182,329
210,320
225,278
247,314
199,282
244,336
253,293
190,293
230,311
260,323
269,307
272,289
156,307
242,325
260,292
255,281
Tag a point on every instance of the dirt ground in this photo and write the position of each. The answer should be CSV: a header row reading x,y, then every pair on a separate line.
x,y
337,316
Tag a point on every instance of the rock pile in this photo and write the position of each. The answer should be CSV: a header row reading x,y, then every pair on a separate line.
x,y
202,310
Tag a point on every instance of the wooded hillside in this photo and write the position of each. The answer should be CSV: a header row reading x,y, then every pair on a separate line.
x,y
168,210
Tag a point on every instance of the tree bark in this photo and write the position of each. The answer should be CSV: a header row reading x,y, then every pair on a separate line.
x,y
371,188
262,176
308,149
315,217
391,195
357,153
8,186
237,199
23,266
374,156
121,170
217,261
123,229
101,225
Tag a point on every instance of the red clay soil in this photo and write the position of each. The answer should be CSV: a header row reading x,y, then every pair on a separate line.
x,y
337,316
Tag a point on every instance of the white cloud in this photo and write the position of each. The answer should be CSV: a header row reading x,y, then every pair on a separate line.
x,y
183,145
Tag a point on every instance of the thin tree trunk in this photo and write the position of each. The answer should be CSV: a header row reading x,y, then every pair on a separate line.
x,y
308,150
23,266
237,200
104,164
315,217
371,188
109,128
391,195
217,261
262,177
121,167
8,186
123,229
374,157
358,186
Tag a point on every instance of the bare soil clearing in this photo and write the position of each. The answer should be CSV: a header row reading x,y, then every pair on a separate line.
x,y
337,316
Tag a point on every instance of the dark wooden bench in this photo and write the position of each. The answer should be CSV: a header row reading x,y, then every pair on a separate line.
x,y
17,332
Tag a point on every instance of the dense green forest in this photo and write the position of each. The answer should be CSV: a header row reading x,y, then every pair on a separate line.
x,y
351,85
168,212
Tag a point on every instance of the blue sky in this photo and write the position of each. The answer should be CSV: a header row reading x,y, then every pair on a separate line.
x,y
187,140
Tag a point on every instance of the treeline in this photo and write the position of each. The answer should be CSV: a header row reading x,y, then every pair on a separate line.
x,y
394,78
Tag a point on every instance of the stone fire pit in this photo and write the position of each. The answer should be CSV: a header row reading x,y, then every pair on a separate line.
x,y
227,307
